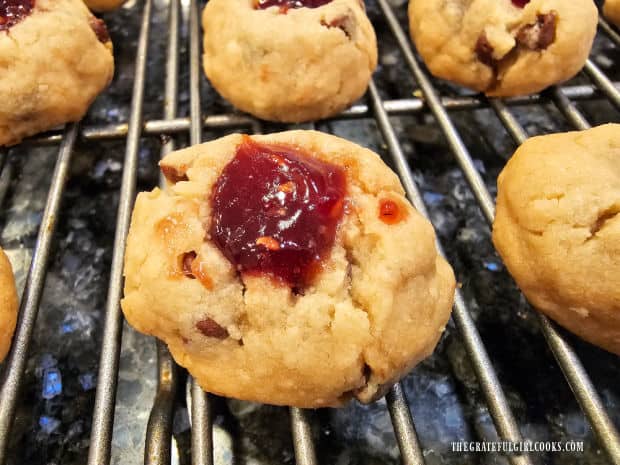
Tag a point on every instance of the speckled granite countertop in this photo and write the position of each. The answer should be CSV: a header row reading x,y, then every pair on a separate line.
x,y
54,417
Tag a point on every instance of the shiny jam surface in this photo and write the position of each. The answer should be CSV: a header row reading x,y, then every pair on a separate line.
x,y
276,211
287,4
520,3
14,11
390,212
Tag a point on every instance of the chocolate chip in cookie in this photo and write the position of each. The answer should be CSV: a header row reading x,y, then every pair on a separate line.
x,y
186,263
100,29
210,328
194,268
285,5
484,50
541,34
520,3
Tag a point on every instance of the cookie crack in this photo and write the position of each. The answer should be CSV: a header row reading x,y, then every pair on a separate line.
x,y
365,368
534,232
602,220
365,373
344,23
351,261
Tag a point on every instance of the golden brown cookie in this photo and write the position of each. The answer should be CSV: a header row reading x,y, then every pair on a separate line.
x,y
101,6
55,58
611,10
8,305
287,269
282,62
558,229
504,47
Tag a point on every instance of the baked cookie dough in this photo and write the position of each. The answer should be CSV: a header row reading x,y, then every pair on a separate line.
x,y
55,58
281,61
611,10
101,6
504,47
558,229
8,305
287,269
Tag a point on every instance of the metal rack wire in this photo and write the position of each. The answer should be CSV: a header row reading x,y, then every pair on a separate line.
x,y
157,450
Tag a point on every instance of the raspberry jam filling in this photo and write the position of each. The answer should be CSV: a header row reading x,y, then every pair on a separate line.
x,y
14,11
276,211
520,3
287,4
390,212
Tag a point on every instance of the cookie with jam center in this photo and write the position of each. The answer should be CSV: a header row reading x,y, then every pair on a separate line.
x,y
289,60
55,57
288,269
504,47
